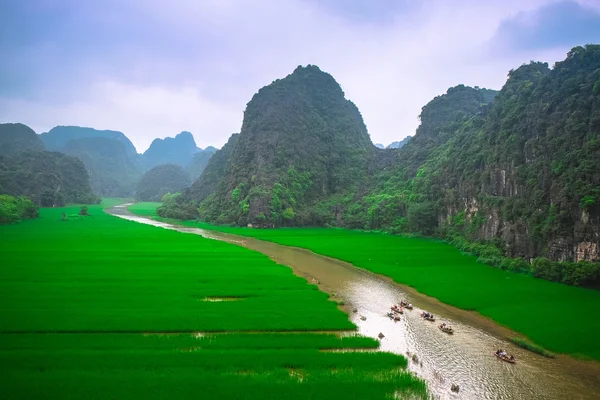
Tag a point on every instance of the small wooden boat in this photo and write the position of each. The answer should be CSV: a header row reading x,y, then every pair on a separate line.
x,y
506,358
428,317
397,309
406,305
446,329
394,316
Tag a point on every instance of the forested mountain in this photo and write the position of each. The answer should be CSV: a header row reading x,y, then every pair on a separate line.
x,y
58,137
518,169
400,144
160,180
109,157
15,138
112,171
301,141
199,162
179,150
47,178
523,172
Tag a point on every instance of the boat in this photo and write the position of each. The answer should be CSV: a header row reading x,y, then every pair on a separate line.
x,y
446,329
396,309
506,358
428,317
394,316
406,305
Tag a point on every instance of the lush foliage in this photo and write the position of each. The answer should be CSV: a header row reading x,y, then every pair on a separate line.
x,y
519,167
112,171
123,281
301,141
109,157
160,180
14,209
16,138
47,178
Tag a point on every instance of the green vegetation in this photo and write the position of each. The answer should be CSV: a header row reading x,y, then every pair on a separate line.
x,y
160,180
16,138
531,347
113,172
518,301
14,209
96,288
47,178
515,169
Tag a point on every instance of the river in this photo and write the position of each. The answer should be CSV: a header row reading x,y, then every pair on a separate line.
x,y
464,358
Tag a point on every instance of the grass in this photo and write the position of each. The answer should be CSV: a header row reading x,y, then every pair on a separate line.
x,y
525,304
78,298
531,347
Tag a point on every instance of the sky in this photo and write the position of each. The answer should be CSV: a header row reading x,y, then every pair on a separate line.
x,y
154,68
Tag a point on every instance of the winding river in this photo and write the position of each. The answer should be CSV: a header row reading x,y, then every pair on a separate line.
x,y
465,358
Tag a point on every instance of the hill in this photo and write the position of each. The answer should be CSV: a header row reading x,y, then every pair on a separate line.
x,y
15,138
301,141
58,137
199,162
179,150
160,180
113,173
400,144
48,178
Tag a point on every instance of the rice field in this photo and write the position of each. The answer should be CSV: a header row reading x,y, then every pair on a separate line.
x,y
106,308
557,317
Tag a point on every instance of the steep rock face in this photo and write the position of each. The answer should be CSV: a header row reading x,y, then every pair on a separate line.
x,y
112,172
213,173
58,137
301,141
160,180
532,165
47,178
16,138
179,150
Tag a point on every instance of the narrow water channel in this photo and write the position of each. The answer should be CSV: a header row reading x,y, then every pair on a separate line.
x,y
464,358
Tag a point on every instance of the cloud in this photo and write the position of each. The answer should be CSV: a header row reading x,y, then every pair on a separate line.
x,y
152,69
562,24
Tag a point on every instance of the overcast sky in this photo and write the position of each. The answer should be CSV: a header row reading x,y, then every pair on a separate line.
x,y
153,68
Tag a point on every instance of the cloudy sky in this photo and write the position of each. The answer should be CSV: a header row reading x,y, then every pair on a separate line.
x,y
153,68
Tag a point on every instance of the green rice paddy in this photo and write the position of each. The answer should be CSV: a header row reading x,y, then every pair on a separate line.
x,y
558,317
107,308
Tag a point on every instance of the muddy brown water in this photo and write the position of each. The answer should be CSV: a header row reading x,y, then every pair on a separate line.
x,y
464,358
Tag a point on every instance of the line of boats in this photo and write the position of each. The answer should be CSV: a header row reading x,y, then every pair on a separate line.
x,y
396,311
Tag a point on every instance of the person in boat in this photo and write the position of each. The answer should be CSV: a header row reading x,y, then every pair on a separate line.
x,y
503,353
512,358
409,305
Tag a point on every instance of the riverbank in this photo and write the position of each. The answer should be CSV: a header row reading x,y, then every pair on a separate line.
x,y
552,315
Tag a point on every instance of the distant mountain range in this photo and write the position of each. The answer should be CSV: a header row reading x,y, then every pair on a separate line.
x,y
110,158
